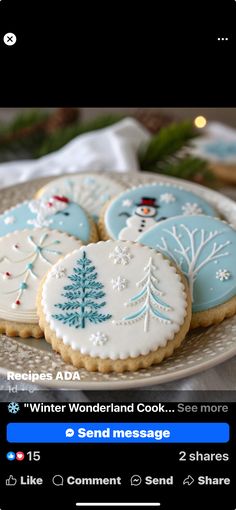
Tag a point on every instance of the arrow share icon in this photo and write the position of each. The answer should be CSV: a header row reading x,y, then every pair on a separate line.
x,y
189,480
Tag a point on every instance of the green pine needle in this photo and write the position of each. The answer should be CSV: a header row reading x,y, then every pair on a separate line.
x,y
186,168
167,142
24,120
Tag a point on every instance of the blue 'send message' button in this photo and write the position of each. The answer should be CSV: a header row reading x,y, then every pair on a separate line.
x,y
118,432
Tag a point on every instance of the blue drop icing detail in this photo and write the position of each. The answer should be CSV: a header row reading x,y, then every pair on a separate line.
x,y
117,213
203,241
29,266
75,224
83,297
23,286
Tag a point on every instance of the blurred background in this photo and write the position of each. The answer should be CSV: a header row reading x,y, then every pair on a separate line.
x,y
224,115
197,144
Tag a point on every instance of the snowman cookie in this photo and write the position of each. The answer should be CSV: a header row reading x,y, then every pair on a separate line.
x,y
56,213
118,306
204,249
137,210
91,191
25,257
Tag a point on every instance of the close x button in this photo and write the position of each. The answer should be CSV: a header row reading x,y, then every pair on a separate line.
x,y
9,39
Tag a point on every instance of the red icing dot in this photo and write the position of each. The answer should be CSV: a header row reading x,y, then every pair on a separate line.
x,y
8,274
17,302
61,199
16,246
49,204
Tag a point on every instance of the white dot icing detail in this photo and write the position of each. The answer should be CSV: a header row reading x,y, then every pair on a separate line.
x,y
59,272
119,283
98,338
167,198
121,255
127,202
191,208
9,220
223,274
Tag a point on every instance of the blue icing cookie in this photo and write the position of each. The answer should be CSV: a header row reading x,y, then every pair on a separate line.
x,y
57,213
204,249
139,209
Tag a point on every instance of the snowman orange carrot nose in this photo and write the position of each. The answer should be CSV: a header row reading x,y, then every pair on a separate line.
x,y
146,210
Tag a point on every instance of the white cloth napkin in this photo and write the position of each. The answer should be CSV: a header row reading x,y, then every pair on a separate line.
x,y
113,148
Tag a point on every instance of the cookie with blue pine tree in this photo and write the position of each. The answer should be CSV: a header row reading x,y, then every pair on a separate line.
x,y
114,306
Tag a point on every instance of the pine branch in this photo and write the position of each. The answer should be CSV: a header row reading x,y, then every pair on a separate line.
x,y
166,143
187,167
21,124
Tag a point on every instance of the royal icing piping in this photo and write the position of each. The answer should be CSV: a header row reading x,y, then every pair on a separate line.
x,y
139,209
115,310
22,268
197,244
55,213
90,191
147,300
84,296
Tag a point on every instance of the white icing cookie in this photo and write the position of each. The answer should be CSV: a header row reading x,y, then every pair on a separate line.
x,y
91,191
25,257
115,300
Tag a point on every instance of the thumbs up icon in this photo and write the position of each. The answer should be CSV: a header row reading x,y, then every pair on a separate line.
x,y
11,480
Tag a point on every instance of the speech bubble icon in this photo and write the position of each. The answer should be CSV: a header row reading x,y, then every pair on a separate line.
x,y
58,480
70,432
135,480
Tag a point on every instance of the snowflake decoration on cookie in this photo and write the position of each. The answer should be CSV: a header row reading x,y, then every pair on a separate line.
x,y
59,272
223,274
127,202
191,208
121,255
98,338
9,220
168,198
119,283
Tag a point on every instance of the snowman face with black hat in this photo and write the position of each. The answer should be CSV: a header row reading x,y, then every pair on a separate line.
x,y
142,219
147,208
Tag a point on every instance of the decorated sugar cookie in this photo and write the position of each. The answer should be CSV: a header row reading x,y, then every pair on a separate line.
x,y
25,257
56,213
137,210
204,249
91,191
117,306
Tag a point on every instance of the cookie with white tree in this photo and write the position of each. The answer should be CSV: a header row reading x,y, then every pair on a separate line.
x,y
204,249
137,210
90,191
120,306
56,212
25,258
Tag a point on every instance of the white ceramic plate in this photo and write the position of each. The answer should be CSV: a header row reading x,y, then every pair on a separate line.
x,y
201,350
